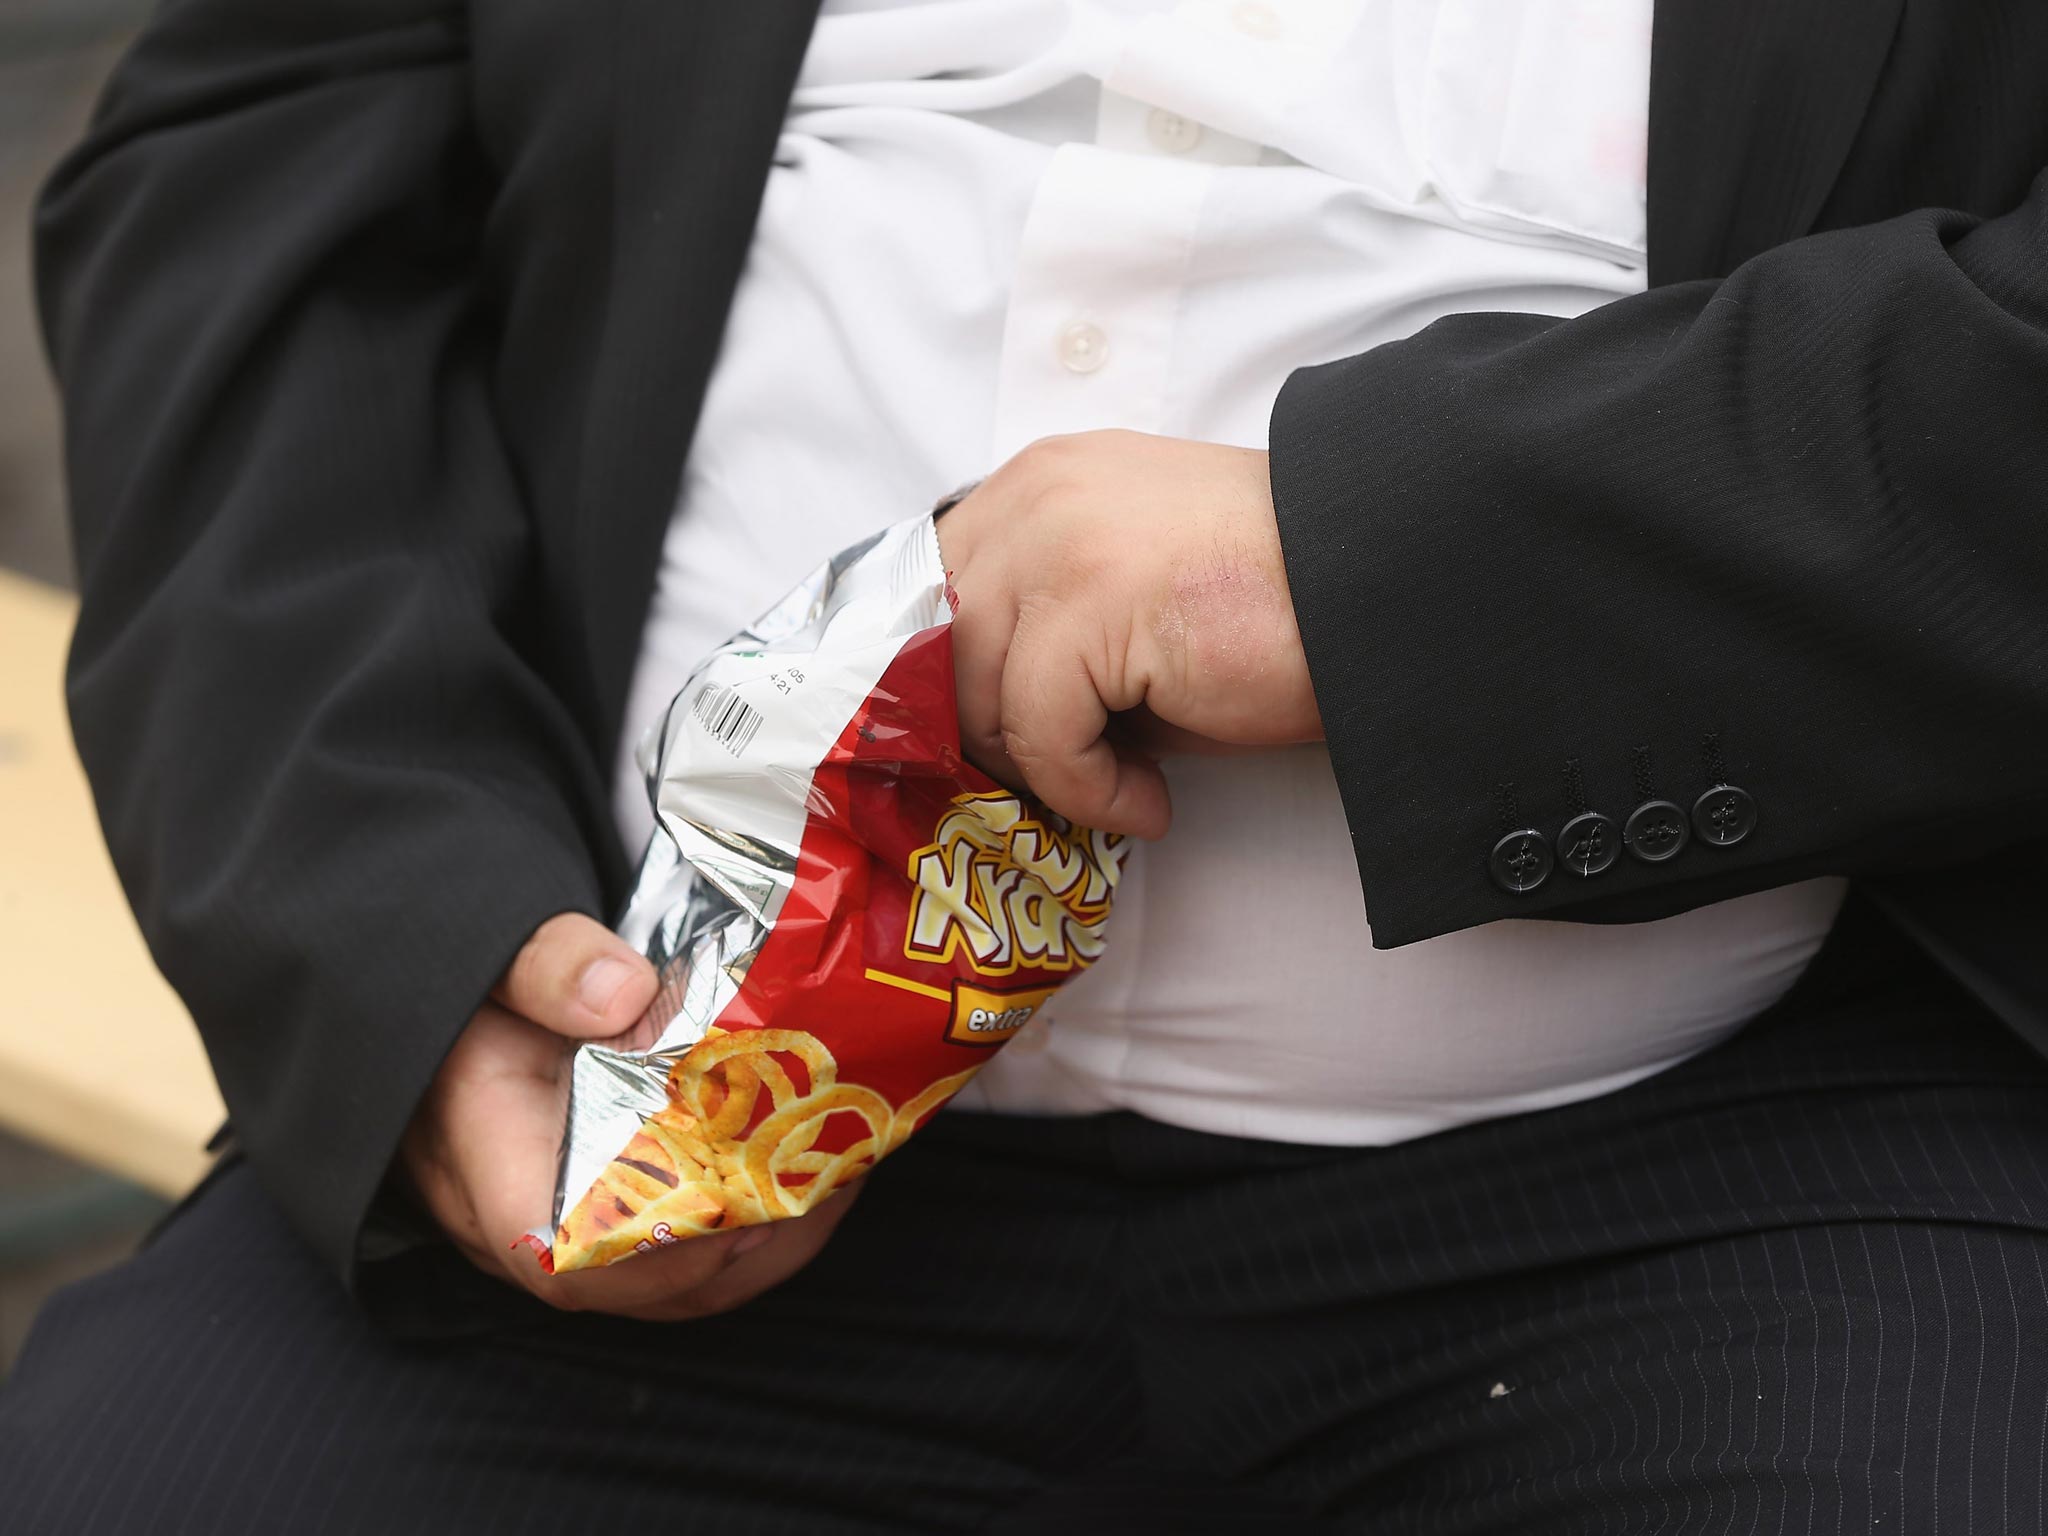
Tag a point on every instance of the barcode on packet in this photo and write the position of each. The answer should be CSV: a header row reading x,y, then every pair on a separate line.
x,y
730,719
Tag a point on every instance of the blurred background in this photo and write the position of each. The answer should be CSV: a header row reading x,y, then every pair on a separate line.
x,y
104,1098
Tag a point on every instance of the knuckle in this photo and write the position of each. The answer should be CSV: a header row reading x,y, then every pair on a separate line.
x,y
1021,750
1052,468
1044,454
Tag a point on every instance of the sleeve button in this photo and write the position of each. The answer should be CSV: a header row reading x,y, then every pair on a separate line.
x,y
1724,815
1588,844
1521,861
1655,831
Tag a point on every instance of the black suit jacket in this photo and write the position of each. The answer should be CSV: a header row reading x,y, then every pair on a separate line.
x,y
383,327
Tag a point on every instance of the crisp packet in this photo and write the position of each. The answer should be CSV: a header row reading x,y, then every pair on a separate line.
x,y
848,920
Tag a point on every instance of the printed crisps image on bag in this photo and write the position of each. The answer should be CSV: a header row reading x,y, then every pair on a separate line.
x,y
848,920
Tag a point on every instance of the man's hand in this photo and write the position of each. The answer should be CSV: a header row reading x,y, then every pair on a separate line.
x,y
1113,571
482,1148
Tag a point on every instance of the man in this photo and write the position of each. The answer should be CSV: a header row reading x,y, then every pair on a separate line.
x,y
1646,554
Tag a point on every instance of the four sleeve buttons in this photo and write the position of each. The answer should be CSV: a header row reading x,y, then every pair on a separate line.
x,y
1656,832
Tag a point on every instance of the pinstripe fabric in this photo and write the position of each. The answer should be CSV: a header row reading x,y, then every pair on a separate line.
x,y
1796,1285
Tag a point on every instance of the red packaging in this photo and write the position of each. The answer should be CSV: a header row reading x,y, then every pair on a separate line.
x,y
848,918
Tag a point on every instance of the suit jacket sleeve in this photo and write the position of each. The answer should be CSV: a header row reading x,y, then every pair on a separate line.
x,y
1784,529
338,797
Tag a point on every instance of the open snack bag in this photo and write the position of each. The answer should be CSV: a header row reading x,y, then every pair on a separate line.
x,y
847,918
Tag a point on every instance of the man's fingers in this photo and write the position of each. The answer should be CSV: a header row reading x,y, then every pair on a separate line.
x,y
1053,717
1032,716
756,1259
576,977
482,1153
639,1284
696,1276
981,642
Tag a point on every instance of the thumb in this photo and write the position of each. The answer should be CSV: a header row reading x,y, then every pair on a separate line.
x,y
576,977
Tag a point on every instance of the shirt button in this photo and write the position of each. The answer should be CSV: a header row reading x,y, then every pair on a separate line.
x,y
1172,132
1255,18
1655,831
1724,815
1083,348
1520,861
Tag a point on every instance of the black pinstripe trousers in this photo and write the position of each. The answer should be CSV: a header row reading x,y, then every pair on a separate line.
x,y
1798,1284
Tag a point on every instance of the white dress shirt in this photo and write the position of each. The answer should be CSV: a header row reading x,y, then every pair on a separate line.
x,y
993,220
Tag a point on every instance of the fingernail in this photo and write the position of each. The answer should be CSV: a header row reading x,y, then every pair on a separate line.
x,y
750,1239
601,981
